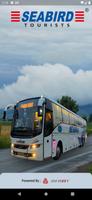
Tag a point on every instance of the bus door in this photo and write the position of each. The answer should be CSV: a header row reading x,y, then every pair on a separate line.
x,y
48,129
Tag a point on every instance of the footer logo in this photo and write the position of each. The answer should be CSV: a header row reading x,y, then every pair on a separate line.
x,y
45,181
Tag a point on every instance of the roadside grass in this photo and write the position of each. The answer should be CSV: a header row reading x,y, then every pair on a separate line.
x,y
5,139
89,132
89,128
5,142
90,168
86,168
5,123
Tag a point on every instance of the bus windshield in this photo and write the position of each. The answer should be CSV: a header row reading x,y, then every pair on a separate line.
x,y
26,119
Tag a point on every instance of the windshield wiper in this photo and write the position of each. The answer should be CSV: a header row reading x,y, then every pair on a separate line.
x,y
21,128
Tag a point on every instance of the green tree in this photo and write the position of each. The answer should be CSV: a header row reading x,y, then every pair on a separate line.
x,y
85,117
69,103
90,118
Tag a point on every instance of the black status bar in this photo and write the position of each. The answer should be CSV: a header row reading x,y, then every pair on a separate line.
x,y
46,2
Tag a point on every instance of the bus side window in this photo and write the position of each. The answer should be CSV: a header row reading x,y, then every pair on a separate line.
x,y
57,115
48,124
65,115
72,119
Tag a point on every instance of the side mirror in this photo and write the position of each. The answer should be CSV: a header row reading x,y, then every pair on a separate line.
x,y
4,115
15,113
40,111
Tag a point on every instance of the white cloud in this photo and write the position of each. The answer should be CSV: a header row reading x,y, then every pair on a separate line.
x,y
49,80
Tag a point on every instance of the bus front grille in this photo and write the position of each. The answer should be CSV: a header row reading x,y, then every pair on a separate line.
x,y
22,154
19,146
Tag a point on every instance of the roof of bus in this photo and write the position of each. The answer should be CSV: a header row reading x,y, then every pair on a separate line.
x,y
53,102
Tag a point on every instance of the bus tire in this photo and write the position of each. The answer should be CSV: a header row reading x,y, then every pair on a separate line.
x,y
58,151
82,141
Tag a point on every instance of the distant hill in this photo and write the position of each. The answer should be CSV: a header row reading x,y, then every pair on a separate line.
x,y
85,110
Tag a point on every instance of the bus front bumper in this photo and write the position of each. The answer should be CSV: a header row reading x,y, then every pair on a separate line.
x,y
27,152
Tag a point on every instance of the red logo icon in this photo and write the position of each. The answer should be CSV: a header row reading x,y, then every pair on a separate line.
x,y
79,16
15,16
45,181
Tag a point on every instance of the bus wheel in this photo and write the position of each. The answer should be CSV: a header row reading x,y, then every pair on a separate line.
x,y
58,152
83,141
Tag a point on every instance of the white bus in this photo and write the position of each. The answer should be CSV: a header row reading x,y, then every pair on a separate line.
x,y
42,128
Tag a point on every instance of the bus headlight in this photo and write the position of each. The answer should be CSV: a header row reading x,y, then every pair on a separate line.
x,y
34,146
33,155
12,145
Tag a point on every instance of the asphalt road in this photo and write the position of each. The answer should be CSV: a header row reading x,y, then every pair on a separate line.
x,y
69,161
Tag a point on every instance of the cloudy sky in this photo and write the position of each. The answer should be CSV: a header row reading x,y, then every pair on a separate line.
x,y
46,61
